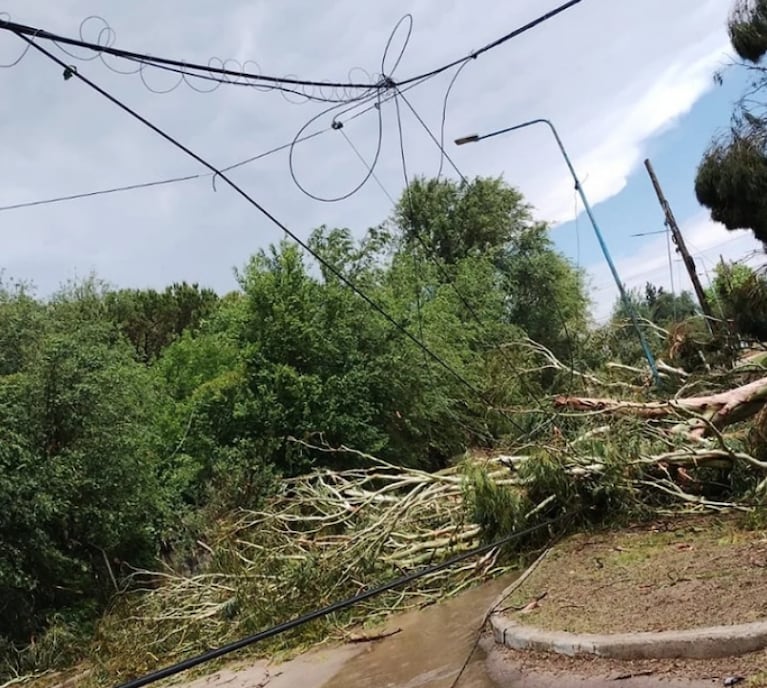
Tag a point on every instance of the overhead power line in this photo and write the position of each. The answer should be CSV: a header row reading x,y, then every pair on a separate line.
x,y
157,182
332,269
497,42
372,100
202,175
191,67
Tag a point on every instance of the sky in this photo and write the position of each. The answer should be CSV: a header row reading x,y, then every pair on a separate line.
x,y
622,81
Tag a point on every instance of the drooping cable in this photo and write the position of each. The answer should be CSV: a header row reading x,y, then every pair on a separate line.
x,y
157,182
368,167
355,111
409,200
443,123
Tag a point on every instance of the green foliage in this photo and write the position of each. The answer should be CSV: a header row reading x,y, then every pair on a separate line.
x,y
672,326
78,484
732,174
151,320
747,28
740,293
457,220
732,177
543,293
657,305
498,509
601,493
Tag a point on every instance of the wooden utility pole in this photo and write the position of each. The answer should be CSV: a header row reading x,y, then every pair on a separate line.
x,y
681,247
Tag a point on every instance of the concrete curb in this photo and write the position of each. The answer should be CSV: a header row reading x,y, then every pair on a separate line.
x,y
697,643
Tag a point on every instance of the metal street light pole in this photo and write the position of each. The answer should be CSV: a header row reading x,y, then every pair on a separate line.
x,y
579,188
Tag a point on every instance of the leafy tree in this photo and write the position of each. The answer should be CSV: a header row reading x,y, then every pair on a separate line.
x,y
747,27
654,306
732,176
456,220
20,316
133,418
317,360
544,294
657,305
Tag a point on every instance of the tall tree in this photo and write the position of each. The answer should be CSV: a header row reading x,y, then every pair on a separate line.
x,y
732,176
657,305
457,220
78,473
544,293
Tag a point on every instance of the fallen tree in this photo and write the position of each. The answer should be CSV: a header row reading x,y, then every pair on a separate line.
x,y
710,412
326,536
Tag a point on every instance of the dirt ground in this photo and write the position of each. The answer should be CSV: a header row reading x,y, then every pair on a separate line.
x,y
667,576
674,574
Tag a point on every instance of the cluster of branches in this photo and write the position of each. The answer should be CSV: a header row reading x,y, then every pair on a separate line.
x,y
327,535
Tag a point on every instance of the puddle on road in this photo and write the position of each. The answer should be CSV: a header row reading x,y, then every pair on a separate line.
x,y
430,649
428,652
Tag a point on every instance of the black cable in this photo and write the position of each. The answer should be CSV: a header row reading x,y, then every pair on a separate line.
x,y
361,158
184,77
28,31
376,101
429,250
444,117
101,192
318,257
389,72
59,40
409,197
158,182
443,271
496,603
499,41
379,143
330,609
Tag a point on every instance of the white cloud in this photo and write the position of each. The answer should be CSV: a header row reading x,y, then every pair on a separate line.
x,y
610,75
639,115
706,241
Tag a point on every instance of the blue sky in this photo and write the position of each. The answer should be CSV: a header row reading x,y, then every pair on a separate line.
x,y
621,80
675,154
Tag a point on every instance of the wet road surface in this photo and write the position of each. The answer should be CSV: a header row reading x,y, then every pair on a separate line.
x,y
427,652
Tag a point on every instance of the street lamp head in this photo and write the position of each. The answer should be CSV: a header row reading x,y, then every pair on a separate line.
x,y
473,138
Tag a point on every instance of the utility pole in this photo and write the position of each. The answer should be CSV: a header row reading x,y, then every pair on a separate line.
x,y
681,248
